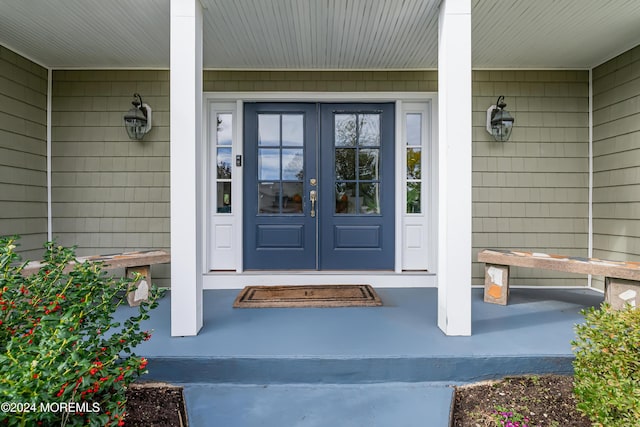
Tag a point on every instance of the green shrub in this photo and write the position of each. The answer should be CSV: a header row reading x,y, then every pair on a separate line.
x,y
607,366
63,358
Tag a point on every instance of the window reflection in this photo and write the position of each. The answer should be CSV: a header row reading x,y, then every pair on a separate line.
x,y
292,164
345,164
368,164
268,164
369,130
369,200
413,131
280,167
222,141
414,163
268,130
224,132
223,195
357,164
413,197
345,130
223,162
292,129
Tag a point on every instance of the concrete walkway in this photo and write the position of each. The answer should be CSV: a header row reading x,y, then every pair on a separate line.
x,y
319,405
363,366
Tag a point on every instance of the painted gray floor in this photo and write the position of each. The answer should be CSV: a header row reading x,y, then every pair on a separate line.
x,y
536,322
384,366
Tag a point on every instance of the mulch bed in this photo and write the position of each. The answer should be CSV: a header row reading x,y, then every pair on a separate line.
x,y
151,404
545,400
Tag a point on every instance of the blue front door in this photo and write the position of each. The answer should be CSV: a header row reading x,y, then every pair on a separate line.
x,y
319,186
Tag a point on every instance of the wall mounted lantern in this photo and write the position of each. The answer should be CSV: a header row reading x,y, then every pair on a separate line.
x,y
499,121
137,121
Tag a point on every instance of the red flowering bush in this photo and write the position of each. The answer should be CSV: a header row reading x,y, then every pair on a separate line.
x,y
63,358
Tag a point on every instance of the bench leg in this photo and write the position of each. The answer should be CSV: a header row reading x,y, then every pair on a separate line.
x,y
620,292
496,284
139,291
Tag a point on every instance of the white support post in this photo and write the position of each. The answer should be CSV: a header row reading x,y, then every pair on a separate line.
x,y
186,167
454,167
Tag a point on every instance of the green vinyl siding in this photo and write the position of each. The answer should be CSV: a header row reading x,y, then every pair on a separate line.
x,y
616,159
23,152
320,81
109,193
531,193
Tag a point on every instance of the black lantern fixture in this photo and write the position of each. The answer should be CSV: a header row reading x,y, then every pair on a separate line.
x,y
137,121
499,121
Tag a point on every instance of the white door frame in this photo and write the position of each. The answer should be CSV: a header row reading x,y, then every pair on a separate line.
x,y
238,278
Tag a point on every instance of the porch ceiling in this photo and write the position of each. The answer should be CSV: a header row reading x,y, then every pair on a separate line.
x,y
319,34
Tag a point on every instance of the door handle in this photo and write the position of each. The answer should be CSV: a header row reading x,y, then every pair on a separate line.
x,y
313,196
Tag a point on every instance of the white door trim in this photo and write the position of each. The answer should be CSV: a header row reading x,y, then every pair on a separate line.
x,y
233,279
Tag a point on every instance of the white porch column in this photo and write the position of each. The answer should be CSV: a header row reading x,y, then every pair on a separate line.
x,y
454,167
186,167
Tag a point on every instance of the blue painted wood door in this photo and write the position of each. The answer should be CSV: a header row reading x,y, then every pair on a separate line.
x,y
357,187
343,153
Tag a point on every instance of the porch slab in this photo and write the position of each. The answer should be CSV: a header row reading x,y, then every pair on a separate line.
x,y
373,366
398,342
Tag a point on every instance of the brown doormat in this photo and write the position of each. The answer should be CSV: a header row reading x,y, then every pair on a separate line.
x,y
307,296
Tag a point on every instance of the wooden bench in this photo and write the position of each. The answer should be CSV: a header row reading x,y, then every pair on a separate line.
x,y
132,262
622,278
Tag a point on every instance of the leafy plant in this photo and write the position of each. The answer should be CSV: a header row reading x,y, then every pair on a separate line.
x,y
509,418
63,358
607,366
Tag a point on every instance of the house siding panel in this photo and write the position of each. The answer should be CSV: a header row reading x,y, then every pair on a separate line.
x,y
531,193
320,81
110,194
23,151
616,159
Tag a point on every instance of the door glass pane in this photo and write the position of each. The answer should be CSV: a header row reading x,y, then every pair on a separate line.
x,y
345,130
345,198
368,163
269,197
369,200
292,164
292,130
345,164
268,130
414,164
414,129
413,197
223,197
223,161
369,130
224,133
292,197
268,164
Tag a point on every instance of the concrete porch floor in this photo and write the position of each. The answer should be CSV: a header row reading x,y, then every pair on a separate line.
x,y
381,366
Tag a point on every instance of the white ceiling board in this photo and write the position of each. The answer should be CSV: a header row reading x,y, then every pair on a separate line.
x,y
88,33
319,34
552,33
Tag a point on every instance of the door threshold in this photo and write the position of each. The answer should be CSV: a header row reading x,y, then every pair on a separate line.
x,y
383,279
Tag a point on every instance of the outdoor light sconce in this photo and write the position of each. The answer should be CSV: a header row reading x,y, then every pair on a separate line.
x,y
137,121
499,121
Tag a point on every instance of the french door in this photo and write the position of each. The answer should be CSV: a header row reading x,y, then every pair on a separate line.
x,y
318,186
